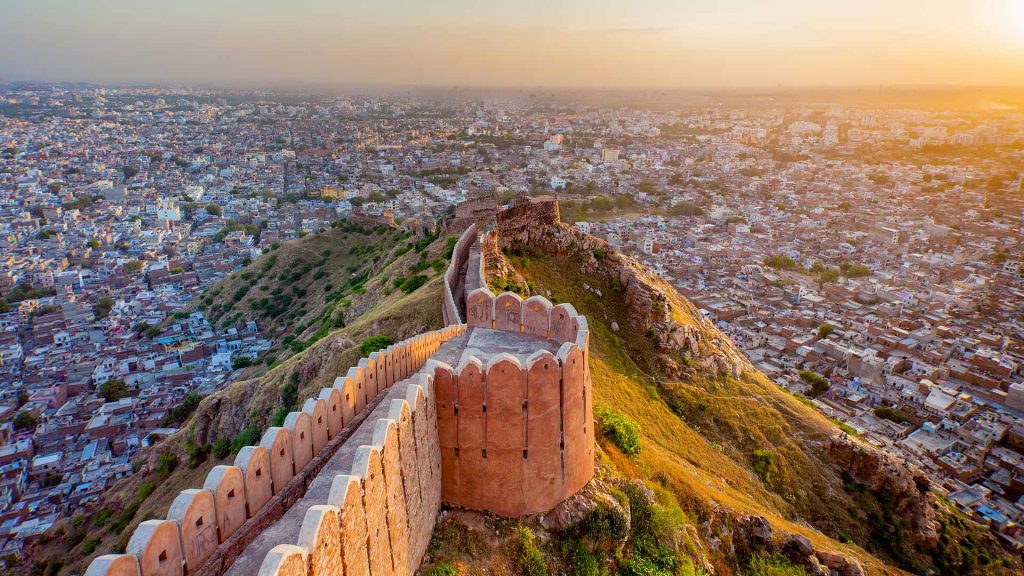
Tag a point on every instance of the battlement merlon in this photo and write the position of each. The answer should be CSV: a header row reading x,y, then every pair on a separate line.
x,y
355,480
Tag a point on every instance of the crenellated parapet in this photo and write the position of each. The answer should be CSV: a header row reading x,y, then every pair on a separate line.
x,y
493,414
377,517
454,277
266,478
517,434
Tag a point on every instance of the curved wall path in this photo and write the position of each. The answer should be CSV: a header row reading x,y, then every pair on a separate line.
x,y
491,412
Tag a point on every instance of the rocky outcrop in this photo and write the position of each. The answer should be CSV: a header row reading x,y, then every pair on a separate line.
x,y
741,536
533,224
595,496
499,272
907,489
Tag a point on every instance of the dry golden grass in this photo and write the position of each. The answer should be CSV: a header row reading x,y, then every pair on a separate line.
x,y
252,400
703,454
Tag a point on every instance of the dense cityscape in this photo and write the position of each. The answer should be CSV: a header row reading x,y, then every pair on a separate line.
x,y
870,258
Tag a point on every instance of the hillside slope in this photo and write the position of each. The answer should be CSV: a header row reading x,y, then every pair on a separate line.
x,y
345,285
737,465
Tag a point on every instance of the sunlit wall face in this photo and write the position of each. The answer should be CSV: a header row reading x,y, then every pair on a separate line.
x,y
605,43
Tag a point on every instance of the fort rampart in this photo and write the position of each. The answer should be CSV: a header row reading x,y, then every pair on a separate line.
x,y
453,279
509,430
390,488
517,437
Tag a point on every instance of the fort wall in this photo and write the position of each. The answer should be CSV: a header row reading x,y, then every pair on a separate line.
x,y
460,255
205,527
512,435
378,518
517,438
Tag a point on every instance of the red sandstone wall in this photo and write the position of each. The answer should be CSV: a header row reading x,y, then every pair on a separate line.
x,y
517,440
504,437
449,308
201,521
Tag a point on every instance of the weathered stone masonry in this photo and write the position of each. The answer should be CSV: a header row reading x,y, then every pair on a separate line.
x,y
517,437
508,430
201,521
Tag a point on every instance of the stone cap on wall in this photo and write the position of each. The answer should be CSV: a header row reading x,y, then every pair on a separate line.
x,y
199,521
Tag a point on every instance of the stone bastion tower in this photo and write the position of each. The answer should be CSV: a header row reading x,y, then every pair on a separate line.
x,y
492,413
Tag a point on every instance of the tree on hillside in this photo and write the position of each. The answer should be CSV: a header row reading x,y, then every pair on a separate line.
x,y
114,389
214,210
103,307
825,329
819,384
24,421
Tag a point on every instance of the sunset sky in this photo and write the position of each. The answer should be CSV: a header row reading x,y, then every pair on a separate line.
x,y
570,43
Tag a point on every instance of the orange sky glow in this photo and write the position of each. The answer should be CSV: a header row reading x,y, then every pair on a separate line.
x,y
574,43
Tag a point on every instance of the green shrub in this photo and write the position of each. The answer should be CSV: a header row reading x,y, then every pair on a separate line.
x,y
221,448
413,282
619,429
583,562
444,569
197,453
602,524
279,416
89,546
773,565
166,463
290,393
374,343
101,517
181,411
145,490
531,559
248,437
649,556
763,463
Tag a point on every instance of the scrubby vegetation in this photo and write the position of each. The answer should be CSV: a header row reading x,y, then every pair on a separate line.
x,y
531,559
773,565
819,384
893,414
374,343
619,429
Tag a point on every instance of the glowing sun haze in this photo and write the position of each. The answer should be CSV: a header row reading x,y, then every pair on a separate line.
x,y
570,43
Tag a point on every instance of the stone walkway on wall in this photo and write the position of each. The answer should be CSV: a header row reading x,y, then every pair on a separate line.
x,y
472,273
284,530
481,343
499,421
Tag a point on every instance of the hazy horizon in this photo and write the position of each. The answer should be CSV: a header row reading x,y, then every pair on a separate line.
x,y
654,44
